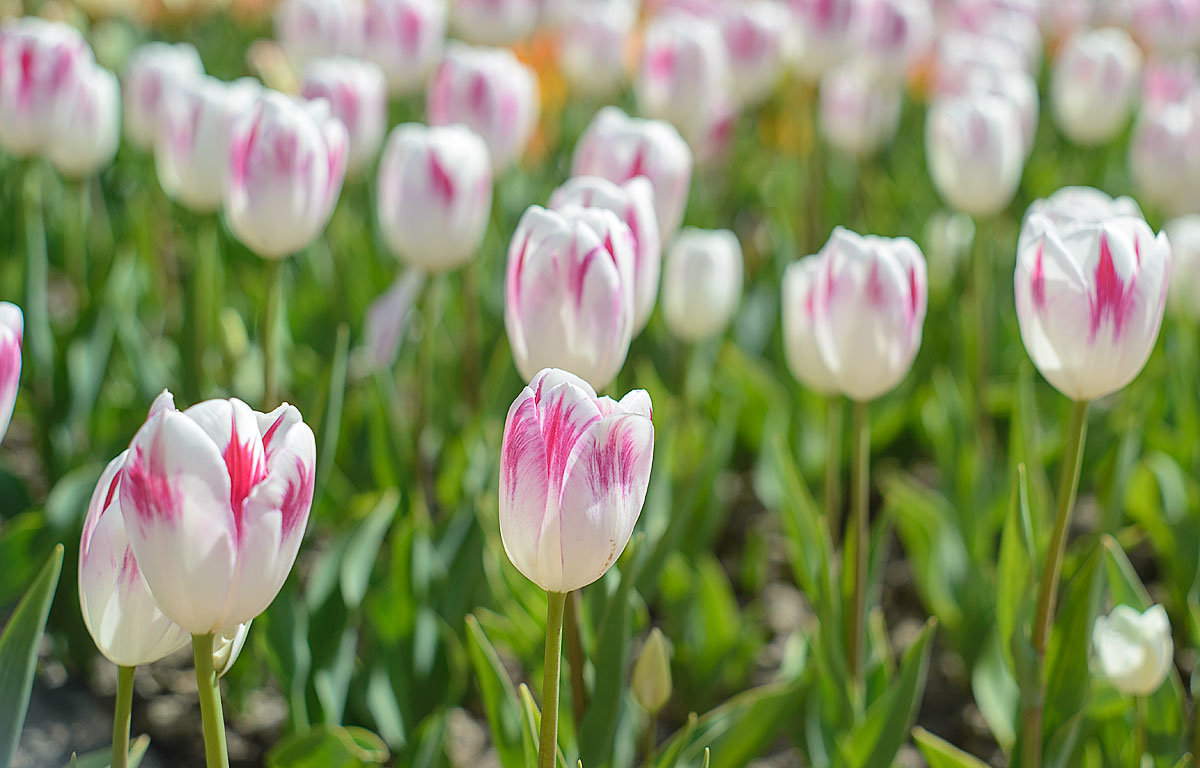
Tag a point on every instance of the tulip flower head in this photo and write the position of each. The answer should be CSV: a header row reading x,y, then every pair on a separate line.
x,y
1184,294
1164,155
494,22
1169,27
435,194
569,293
87,124
702,284
593,42
651,680
215,501
316,29
12,331
40,63
759,42
1095,82
975,152
574,469
800,347
357,96
895,35
684,71
827,30
1013,85
405,38
154,70
1134,651
859,112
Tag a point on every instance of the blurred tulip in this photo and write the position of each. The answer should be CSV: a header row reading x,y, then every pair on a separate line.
x,y
357,96
1164,155
215,500
869,311
87,124
492,93
593,44
859,113
574,469
702,283
1090,294
405,38
827,30
1013,26
800,346
1184,294
633,203
1169,80
12,331
1169,27
896,34
651,680
154,70
758,39
434,195
494,22
618,148
684,70
975,152
1015,86
287,163
1073,205
317,29
1134,651
959,54
41,63
569,293
1095,81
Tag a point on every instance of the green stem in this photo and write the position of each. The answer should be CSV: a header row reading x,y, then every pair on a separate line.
x,y
427,378
575,656
1047,594
1196,732
470,358
833,462
271,327
859,485
1139,741
121,716
208,686
548,741
651,727
205,265
982,290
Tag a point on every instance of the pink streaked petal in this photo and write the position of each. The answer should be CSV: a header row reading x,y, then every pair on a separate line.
x,y
524,484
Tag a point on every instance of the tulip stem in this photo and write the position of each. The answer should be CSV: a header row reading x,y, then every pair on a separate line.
x,y
1048,592
1139,704
271,326
833,461
122,713
548,741
982,287
208,686
859,486
575,656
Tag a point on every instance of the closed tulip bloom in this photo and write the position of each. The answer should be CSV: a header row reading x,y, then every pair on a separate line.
x,y
1013,85
859,112
633,203
895,34
800,348
827,30
193,145
1168,27
215,500
961,53
316,29
40,64
492,93
87,124
1169,80
1090,299
1183,233
494,22
1164,155
12,331
1134,651
869,311
569,293
758,40
287,163
1071,206
574,469
405,38
702,284
1095,81
357,96
684,68
435,195
154,70
619,148
593,44
975,152
651,678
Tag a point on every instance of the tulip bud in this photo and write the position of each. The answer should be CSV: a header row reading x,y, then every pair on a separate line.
x,y
1134,651
154,70
40,64
703,283
287,161
959,54
405,38
684,71
215,500
574,469
652,673
435,194
1095,81
1163,157
975,152
316,29
827,29
357,96
227,646
1169,80
858,112
1014,27
1090,297
87,124
12,330
619,148
633,203
868,311
1070,206
492,93
800,347
1013,85
759,46
593,42
1168,27
896,34
569,293
494,22
1184,294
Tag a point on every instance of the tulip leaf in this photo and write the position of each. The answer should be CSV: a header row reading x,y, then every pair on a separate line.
x,y
1016,569
1068,680
996,692
533,726
332,428
19,653
358,560
329,746
102,758
940,753
500,702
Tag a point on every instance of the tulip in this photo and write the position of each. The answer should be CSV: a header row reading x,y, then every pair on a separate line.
x,y
1134,651
703,283
827,31
633,203
1073,205
569,293
87,124
975,152
759,44
357,96
492,93
1184,235
651,680
618,148
435,194
593,43
801,351
316,29
215,500
405,38
961,53
287,162
1169,80
896,35
1090,297
859,112
1012,26
1169,27
1095,81
12,330
494,22
1013,85
154,70
40,64
1163,156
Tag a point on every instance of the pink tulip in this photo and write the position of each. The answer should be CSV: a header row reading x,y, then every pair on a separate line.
x,y
215,500
859,112
684,71
87,124
1169,27
895,34
975,152
494,22
1071,206
1090,298
1095,82
1169,80
405,38
154,70
357,96
594,40
758,39
1164,155
827,30
316,29
40,64
618,148
633,203
492,93
574,469
569,293
12,330
1015,86
287,163
801,351
702,283
435,195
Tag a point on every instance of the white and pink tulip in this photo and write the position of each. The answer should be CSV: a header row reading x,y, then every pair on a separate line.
x,y
1095,82
976,151
12,332
801,351
40,64
405,38
357,95
702,283
87,124
155,70
494,22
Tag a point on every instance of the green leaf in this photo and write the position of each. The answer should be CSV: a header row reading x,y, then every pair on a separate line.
x,y
329,746
940,753
19,653
362,550
102,758
1068,680
1016,569
500,702
533,726
996,692
333,413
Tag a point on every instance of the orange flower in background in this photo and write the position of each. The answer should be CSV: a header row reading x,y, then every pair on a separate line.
x,y
540,55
